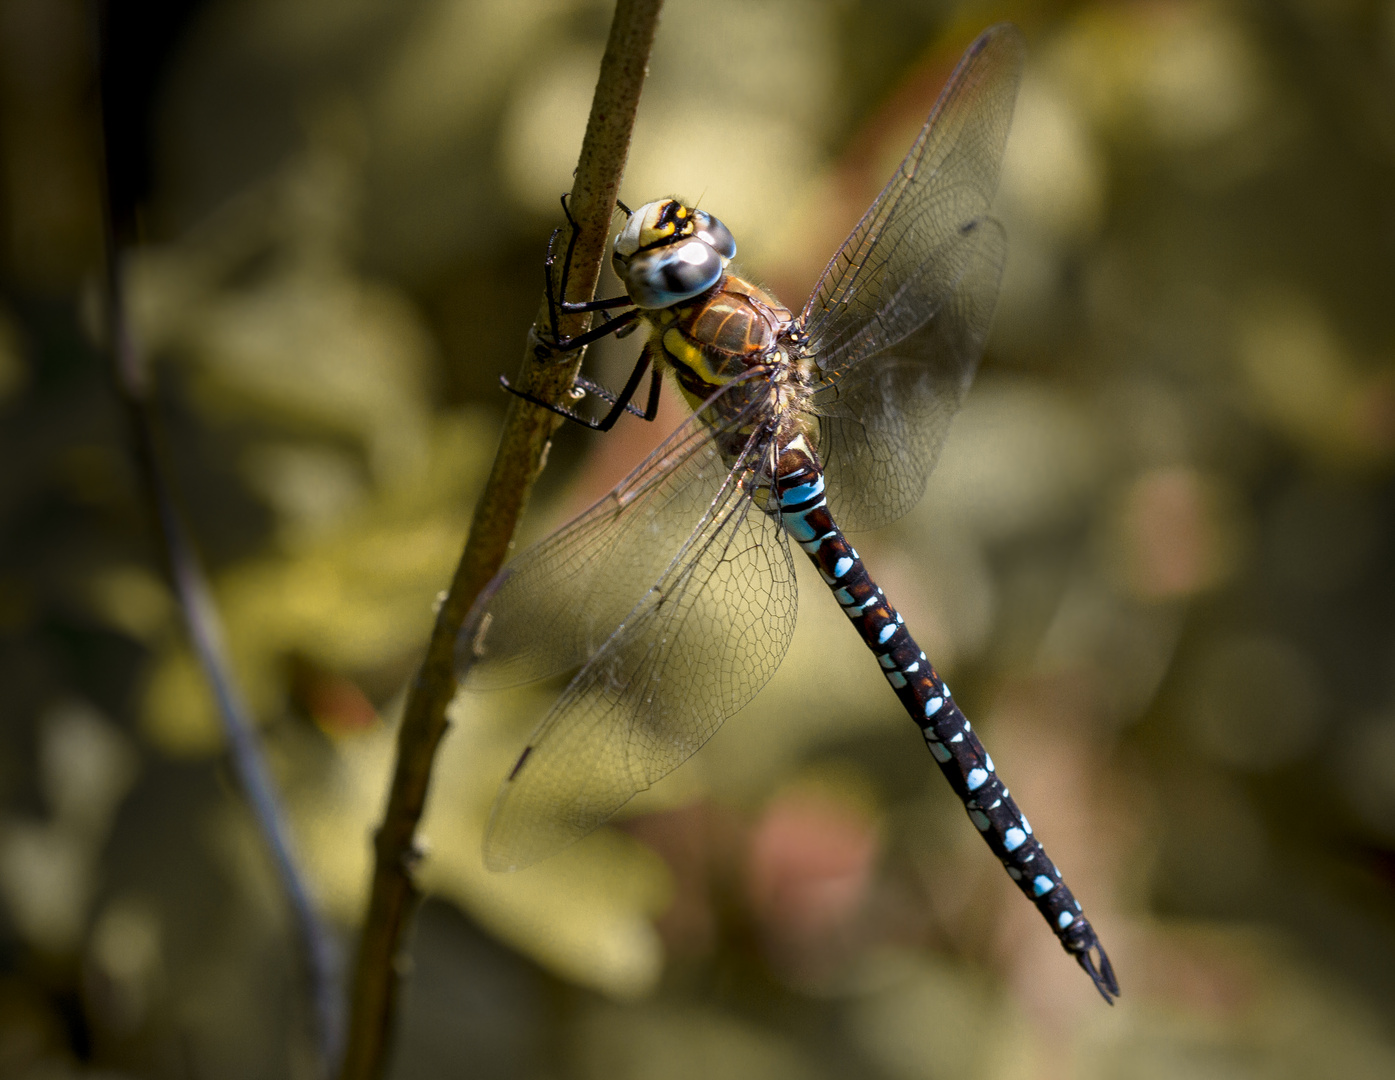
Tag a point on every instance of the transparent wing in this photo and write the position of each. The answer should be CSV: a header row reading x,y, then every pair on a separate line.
x,y
901,261
897,322
555,605
882,425
695,649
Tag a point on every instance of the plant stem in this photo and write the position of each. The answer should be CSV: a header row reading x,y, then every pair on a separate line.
x,y
522,448
204,626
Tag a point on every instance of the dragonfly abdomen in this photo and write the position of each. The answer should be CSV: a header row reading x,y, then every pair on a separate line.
x,y
957,750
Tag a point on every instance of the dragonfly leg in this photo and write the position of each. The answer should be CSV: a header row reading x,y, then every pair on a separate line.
x,y
611,398
572,344
557,295
550,406
553,343
620,403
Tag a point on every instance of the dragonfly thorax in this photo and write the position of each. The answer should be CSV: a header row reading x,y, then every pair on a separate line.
x,y
668,252
720,335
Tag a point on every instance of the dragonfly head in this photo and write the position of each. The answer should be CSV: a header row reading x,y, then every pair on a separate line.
x,y
668,252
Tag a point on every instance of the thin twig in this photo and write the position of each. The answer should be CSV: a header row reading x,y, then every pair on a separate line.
x,y
522,448
205,629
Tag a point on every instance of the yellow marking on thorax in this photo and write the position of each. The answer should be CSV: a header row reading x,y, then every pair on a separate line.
x,y
682,351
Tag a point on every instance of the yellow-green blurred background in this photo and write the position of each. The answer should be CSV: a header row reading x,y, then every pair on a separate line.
x,y
1156,563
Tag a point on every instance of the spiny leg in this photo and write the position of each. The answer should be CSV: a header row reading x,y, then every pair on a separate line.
x,y
620,325
557,298
624,400
620,403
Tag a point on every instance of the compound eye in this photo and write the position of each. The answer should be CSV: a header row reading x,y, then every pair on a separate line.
x,y
713,233
670,275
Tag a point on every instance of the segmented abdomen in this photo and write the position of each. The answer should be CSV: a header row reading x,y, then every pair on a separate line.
x,y
957,750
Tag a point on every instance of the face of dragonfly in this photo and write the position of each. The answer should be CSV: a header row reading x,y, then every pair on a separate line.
x,y
668,253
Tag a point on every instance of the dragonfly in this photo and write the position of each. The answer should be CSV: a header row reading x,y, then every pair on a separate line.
x,y
673,598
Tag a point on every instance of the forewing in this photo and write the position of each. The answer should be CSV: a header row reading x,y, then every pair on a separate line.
x,y
554,606
694,650
901,263
882,425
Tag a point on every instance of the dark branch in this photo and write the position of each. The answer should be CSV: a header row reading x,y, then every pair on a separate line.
x,y
205,629
527,431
